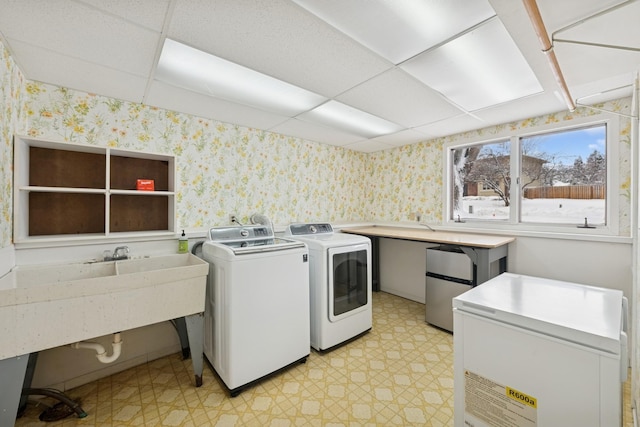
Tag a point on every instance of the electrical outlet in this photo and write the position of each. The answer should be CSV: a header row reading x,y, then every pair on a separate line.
x,y
233,218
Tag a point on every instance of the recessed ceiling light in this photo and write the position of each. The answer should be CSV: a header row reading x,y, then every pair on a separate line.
x,y
349,119
400,29
481,68
189,68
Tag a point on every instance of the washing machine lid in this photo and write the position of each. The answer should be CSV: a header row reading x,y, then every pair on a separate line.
x,y
248,239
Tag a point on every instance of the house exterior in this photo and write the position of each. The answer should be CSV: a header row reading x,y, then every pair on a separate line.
x,y
486,167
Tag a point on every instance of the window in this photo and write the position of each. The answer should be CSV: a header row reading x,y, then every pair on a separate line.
x,y
482,180
549,178
564,175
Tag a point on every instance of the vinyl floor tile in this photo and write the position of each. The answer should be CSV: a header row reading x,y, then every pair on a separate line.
x,y
398,374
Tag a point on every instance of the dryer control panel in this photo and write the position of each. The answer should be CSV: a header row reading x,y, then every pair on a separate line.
x,y
309,229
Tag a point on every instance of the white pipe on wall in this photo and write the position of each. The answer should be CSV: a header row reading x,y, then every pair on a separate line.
x,y
99,349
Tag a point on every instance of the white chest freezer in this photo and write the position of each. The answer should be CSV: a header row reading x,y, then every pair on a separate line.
x,y
534,352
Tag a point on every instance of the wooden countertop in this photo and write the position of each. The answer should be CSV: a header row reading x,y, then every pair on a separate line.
x,y
445,237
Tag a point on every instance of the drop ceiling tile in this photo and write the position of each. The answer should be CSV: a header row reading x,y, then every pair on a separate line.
x,y
584,64
399,30
558,14
173,98
399,98
80,31
315,132
602,29
520,109
616,28
454,125
612,87
409,136
146,13
74,73
277,38
517,22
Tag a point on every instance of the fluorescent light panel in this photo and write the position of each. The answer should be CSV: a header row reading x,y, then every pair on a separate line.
x,y
478,69
351,120
189,68
400,29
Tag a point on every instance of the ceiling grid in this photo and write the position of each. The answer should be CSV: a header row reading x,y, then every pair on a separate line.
x,y
415,71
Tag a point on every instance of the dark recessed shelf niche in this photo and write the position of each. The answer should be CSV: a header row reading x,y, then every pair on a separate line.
x,y
65,190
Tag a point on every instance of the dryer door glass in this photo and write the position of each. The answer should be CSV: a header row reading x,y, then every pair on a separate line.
x,y
348,287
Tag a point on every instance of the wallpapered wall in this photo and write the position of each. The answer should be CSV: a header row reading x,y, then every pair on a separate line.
x,y
224,169
11,90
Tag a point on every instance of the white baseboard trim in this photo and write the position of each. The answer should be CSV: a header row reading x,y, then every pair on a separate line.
x,y
7,259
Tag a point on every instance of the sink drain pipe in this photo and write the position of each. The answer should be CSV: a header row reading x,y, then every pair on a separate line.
x,y
99,349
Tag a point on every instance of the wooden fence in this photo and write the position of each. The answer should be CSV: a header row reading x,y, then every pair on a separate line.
x,y
596,191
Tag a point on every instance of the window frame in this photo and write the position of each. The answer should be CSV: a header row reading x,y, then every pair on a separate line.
x,y
513,223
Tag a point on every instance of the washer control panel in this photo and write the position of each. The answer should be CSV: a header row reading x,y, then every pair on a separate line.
x,y
238,233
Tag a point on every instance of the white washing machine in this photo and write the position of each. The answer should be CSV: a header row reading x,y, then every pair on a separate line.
x,y
340,283
257,308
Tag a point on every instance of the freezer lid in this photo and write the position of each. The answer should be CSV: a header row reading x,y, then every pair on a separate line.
x,y
582,314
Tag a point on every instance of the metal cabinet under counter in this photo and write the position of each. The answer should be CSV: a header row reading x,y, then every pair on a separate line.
x,y
482,249
483,256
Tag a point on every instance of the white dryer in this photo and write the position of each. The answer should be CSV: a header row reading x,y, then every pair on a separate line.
x,y
340,283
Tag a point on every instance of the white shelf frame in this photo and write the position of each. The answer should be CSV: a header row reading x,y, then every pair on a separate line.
x,y
22,190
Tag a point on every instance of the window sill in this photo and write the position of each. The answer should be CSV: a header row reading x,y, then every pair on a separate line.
x,y
601,234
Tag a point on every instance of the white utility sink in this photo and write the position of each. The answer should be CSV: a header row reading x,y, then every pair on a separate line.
x,y
45,306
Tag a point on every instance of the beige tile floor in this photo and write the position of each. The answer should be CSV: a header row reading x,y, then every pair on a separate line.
x,y
399,374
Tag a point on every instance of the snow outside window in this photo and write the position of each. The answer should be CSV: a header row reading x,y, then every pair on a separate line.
x,y
557,177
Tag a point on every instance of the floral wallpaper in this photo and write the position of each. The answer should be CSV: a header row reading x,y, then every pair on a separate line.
x,y
404,181
222,169
11,89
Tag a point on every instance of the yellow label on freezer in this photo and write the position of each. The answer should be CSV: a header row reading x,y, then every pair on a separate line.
x,y
521,397
489,403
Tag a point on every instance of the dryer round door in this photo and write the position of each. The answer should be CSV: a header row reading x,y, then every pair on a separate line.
x,y
349,280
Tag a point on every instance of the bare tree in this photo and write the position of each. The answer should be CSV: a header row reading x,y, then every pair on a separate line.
x,y
463,159
492,169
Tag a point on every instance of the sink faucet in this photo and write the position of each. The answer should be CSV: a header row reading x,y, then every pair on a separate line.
x,y
121,252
